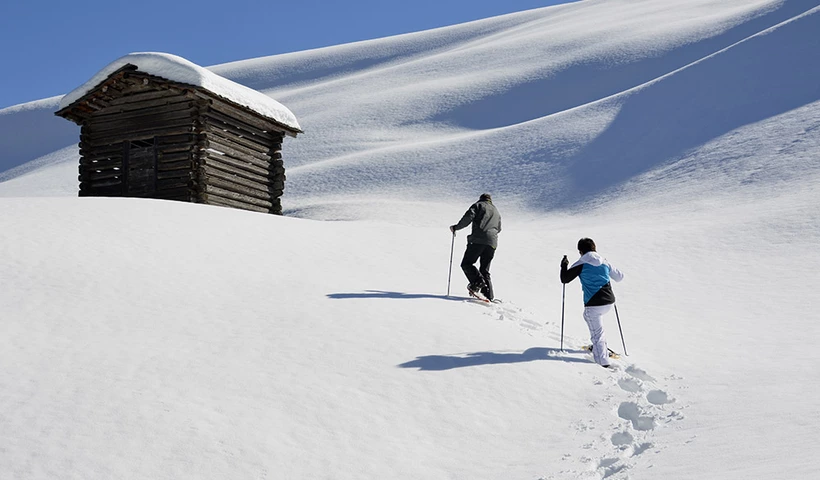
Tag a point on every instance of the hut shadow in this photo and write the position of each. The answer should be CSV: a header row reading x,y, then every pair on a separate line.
x,y
448,362
393,295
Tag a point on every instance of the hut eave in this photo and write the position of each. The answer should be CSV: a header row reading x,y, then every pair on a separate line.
x,y
180,70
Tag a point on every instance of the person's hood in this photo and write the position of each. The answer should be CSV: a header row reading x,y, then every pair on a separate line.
x,y
592,258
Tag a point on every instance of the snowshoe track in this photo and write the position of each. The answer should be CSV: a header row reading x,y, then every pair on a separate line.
x,y
638,404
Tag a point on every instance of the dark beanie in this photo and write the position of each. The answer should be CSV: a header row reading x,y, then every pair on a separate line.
x,y
586,245
485,197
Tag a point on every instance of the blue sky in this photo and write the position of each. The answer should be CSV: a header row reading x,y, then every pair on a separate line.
x,y
49,47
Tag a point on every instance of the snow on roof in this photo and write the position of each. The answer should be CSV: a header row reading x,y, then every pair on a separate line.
x,y
178,69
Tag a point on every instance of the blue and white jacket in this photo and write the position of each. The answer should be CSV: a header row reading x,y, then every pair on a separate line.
x,y
595,273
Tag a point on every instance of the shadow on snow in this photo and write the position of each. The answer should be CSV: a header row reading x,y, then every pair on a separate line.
x,y
448,362
393,295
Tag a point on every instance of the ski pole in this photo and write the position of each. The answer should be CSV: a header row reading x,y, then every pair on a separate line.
x,y
617,317
563,296
450,270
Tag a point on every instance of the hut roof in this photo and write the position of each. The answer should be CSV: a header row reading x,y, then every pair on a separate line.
x,y
178,69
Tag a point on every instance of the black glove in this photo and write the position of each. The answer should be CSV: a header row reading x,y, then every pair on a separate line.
x,y
564,262
453,229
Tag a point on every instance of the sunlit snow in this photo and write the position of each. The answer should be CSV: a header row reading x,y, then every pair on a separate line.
x,y
163,340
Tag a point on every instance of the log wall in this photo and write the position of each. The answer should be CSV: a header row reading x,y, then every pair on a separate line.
x,y
140,142
240,160
142,136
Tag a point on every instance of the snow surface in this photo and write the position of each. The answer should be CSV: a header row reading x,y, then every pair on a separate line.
x,y
178,69
150,339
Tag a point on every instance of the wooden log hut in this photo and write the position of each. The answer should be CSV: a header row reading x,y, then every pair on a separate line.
x,y
158,126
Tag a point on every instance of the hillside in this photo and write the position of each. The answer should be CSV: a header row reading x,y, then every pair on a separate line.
x,y
574,107
146,339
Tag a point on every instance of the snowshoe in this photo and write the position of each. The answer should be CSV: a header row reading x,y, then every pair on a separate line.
x,y
612,353
474,292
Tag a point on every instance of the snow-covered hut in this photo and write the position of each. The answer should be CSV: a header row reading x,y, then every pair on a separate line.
x,y
155,125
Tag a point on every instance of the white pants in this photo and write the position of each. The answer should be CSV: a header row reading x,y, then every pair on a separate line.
x,y
593,316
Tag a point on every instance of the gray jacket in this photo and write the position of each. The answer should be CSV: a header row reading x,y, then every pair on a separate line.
x,y
486,223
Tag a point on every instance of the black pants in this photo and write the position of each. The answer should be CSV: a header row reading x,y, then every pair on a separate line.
x,y
473,253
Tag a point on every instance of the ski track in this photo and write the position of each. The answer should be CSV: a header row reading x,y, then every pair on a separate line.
x,y
638,402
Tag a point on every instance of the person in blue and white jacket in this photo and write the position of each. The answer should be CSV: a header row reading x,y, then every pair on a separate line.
x,y
595,273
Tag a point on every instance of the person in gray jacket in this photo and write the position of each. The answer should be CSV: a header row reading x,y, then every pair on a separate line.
x,y
481,244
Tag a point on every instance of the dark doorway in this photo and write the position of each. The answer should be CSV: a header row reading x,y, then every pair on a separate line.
x,y
140,166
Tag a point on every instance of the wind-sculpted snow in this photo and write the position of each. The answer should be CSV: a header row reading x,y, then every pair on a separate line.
x,y
526,112
550,108
318,66
590,77
761,77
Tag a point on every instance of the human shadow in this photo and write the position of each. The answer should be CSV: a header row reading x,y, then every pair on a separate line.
x,y
393,295
448,362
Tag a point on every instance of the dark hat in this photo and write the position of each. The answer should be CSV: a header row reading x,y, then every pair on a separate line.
x,y
586,245
485,196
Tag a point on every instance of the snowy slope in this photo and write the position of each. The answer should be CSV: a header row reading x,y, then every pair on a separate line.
x,y
146,339
541,96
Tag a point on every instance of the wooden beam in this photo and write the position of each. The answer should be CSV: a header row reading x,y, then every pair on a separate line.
x,y
262,193
213,163
245,114
87,191
98,163
226,132
100,184
227,149
88,150
186,139
236,196
267,136
93,176
182,194
144,123
173,184
225,172
140,135
137,106
174,148
163,157
186,173
150,95
178,165
212,199
90,94
218,177
210,158
101,119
